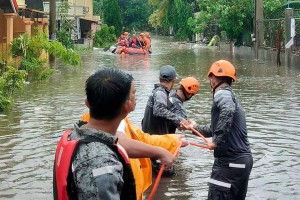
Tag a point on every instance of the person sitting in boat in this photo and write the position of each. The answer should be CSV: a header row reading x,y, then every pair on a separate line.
x,y
134,42
140,40
122,40
147,34
146,43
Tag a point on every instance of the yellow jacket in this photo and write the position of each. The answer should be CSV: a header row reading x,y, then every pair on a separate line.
x,y
141,167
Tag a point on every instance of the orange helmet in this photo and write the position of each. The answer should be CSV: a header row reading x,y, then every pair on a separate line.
x,y
190,84
222,68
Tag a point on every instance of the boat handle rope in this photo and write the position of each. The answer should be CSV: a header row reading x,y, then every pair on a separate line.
x,y
200,145
200,135
175,154
160,173
197,133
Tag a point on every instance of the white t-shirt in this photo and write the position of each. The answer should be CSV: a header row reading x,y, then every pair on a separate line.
x,y
121,127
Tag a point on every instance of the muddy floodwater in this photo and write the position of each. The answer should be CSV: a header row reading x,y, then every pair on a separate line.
x,y
270,95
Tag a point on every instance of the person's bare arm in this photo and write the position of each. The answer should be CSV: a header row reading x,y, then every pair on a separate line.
x,y
137,149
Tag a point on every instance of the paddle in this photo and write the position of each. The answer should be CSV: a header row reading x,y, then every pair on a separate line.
x,y
137,38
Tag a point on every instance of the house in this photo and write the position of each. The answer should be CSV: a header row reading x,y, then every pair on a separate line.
x,y
80,16
14,22
20,16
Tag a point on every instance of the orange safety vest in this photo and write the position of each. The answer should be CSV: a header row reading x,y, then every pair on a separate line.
x,y
141,167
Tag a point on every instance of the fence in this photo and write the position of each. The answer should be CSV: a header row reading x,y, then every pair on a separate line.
x,y
274,34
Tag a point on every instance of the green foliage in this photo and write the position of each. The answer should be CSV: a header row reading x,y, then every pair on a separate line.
x,y
172,13
11,80
67,56
97,8
65,32
273,9
215,16
64,36
200,23
178,17
32,67
247,38
4,101
135,14
36,69
20,46
105,37
2,66
232,27
112,15
26,46
30,50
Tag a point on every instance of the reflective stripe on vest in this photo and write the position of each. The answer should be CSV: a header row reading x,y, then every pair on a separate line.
x,y
220,183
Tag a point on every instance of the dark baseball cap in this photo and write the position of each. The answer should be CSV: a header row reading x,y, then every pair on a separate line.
x,y
167,73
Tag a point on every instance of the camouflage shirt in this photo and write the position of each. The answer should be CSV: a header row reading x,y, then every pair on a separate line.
x,y
98,173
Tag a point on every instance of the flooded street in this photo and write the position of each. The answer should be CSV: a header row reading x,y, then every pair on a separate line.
x,y
270,96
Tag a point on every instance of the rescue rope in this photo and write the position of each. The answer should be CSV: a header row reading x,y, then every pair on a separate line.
x,y
200,145
175,154
160,173
197,133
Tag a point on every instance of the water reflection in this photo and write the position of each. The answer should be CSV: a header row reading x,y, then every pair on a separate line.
x,y
268,93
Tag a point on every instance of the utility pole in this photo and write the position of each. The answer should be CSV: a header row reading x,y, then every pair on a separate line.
x,y
52,24
259,26
289,14
52,27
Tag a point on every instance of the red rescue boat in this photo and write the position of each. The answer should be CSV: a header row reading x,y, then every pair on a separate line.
x,y
130,50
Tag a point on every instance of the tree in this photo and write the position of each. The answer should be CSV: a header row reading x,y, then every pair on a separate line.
x,y
136,14
98,7
273,9
112,15
235,17
172,14
105,36
201,22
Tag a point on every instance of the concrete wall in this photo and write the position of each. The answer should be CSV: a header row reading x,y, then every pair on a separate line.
x,y
21,3
268,55
19,26
3,28
12,26
86,3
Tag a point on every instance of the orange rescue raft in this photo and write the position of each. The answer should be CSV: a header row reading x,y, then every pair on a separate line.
x,y
130,50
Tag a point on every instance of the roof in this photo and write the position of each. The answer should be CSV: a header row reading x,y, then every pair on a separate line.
x,y
9,6
89,19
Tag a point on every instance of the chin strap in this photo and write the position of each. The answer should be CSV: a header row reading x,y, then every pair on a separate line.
x,y
185,93
214,88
